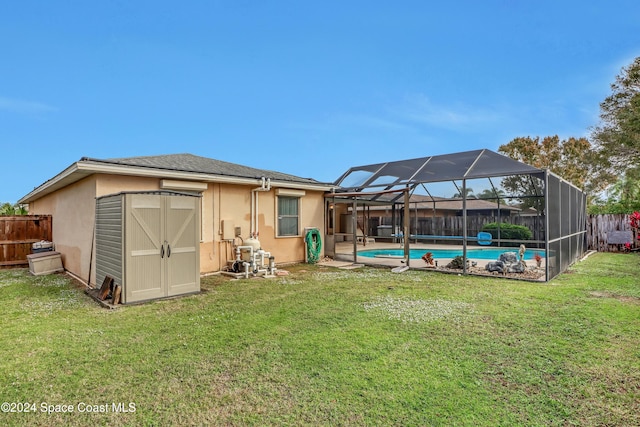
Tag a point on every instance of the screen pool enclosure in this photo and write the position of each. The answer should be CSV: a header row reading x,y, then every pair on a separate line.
x,y
470,200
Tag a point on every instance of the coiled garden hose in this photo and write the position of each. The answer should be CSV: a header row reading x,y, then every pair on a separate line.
x,y
314,245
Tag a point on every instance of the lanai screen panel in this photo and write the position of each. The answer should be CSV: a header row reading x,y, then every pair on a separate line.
x,y
381,174
490,164
447,167
567,224
403,170
356,178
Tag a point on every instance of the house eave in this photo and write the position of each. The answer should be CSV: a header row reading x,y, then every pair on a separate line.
x,y
84,168
67,177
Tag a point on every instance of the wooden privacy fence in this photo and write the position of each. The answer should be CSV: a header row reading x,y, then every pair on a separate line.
x,y
600,228
453,225
18,233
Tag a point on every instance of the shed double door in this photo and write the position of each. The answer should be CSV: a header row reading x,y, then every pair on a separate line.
x,y
162,246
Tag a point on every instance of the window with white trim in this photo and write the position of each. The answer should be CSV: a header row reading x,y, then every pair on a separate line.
x,y
288,216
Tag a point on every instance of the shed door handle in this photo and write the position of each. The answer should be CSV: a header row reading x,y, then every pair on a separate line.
x,y
168,250
162,251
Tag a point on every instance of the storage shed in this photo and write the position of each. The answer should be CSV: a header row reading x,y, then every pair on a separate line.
x,y
149,243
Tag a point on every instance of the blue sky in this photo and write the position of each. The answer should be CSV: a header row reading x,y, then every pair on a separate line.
x,y
307,88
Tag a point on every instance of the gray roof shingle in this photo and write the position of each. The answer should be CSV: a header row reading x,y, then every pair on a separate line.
x,y
190,163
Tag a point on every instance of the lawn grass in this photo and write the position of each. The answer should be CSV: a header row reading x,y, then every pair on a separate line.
x,y
324,346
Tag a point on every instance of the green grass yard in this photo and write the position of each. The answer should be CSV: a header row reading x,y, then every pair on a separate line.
x,y
324,346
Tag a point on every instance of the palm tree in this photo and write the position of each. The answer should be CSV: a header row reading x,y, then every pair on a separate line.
x,y
9,209
493,194
6,209
468,191
21,210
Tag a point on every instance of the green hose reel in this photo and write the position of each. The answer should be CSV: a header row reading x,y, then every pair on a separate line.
x,y
314,245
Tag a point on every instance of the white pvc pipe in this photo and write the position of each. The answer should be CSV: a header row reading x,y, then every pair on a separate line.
x,y
265,186
251,213
246,269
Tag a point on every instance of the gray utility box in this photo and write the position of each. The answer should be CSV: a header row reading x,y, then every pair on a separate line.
x,y
149,242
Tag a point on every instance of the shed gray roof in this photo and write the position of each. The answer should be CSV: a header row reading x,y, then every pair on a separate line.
x,y
190,163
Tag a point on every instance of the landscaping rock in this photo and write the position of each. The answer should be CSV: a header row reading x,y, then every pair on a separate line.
x,y
508,257
495,266
508,262
518,267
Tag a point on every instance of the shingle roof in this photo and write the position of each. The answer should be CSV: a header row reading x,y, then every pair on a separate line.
x,y
176,166
190,163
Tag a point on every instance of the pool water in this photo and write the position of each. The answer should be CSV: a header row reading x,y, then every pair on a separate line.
x,y
483,253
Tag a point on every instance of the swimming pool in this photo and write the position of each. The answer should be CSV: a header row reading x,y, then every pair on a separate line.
x,y
483,253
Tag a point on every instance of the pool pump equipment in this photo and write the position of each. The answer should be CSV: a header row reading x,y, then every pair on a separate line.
x,y
252,260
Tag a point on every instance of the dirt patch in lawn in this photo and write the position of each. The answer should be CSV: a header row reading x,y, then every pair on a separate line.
x,y
621,298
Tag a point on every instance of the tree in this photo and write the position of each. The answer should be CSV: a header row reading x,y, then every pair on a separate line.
x,y
572,159
622,197
9,209
618,136
6,209
468,193
497,195
617,140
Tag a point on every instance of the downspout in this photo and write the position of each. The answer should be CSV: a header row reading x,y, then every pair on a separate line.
x,y
252,210
265,186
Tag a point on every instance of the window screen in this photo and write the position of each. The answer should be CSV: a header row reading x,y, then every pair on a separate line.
x,y
288,208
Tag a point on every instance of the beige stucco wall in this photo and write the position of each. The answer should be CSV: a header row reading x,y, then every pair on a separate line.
x,y
73,214
73,210
232,203
113,184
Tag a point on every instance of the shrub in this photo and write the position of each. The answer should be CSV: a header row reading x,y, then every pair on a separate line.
x,y
428,258
508,231
457,263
